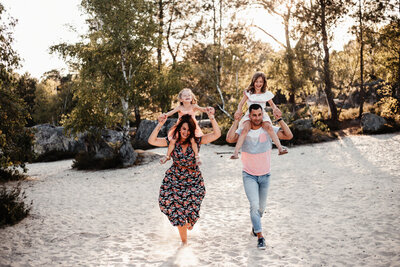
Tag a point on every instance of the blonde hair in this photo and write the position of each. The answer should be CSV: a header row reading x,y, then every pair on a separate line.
x,y
257,75
194,99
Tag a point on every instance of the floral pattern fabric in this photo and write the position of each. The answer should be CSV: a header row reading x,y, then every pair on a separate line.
x,y
182,189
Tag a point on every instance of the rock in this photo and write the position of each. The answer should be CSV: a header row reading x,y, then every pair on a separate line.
x,y
111,150
303,124
205,123
145,129
51,143
371,123
127,154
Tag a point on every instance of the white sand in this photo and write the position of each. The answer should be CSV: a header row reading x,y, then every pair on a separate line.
x,y
329,204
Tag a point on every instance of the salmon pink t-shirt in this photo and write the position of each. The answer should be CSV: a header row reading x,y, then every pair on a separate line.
x,y
256,151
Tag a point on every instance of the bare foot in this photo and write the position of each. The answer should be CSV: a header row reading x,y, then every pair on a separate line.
x,y
164,159
283,151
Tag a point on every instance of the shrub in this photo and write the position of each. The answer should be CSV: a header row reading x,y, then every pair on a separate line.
x,y
12,206
388,106
86,161
10,175
321,126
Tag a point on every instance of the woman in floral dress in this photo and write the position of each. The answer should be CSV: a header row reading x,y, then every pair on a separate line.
x,y
182,189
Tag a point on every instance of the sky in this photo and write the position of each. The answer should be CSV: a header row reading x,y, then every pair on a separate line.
x,y
43,23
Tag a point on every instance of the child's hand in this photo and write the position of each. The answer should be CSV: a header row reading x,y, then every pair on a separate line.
x,y
238,115
162,118
277,112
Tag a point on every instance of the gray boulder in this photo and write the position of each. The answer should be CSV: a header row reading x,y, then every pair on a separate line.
x,y
112,147
145,129
303,124
127,154
205,123
51,143
371,123
51,140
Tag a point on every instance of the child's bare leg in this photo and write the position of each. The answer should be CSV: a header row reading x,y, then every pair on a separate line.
x,y
268,127
242,137
170,149
196,151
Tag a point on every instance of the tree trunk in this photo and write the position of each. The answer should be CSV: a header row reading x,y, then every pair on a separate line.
x,y
362,92
125,112
327,74
137,117
160,35
290,58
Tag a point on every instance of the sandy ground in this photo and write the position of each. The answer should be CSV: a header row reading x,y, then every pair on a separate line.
x,y
329,204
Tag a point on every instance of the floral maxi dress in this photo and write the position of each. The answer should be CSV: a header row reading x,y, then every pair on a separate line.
x,y
182,189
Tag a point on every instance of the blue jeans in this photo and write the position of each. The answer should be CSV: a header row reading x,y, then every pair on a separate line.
x,y
256,188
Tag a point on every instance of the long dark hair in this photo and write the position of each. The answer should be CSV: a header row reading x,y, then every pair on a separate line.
x,y
192,128
257,75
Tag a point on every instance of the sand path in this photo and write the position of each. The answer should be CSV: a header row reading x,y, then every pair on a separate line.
x,y
329,204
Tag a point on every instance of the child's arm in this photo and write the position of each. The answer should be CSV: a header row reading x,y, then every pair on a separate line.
x,y
239,110
275,110
172,112
198,108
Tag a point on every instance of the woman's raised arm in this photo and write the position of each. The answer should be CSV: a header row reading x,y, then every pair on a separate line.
x,y
153,139
216,133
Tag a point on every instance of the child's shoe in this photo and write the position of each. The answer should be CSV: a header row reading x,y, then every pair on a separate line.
x,y
283,151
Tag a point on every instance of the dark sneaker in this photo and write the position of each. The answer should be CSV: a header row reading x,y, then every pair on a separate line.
x,y
252,232
261,243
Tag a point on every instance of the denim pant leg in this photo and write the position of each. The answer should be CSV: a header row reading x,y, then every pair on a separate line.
x,y
263,184
256,188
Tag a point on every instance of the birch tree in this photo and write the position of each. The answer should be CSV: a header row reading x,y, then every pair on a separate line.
x,y
113,61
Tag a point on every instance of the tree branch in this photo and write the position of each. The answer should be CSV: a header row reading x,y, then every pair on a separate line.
x,y
270,35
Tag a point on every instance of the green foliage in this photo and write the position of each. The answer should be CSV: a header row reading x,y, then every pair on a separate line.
x,y
321,126
165,92
25,88
387,58
389,107
15,140
12,206
9,58
115,74
54,98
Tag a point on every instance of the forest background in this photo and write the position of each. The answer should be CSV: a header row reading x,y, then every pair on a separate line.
x,y
138,54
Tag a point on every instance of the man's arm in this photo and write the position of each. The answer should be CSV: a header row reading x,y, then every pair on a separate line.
x,y
284,133
232,136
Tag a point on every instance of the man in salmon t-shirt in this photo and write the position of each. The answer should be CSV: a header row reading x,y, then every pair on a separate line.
x,y
256,160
